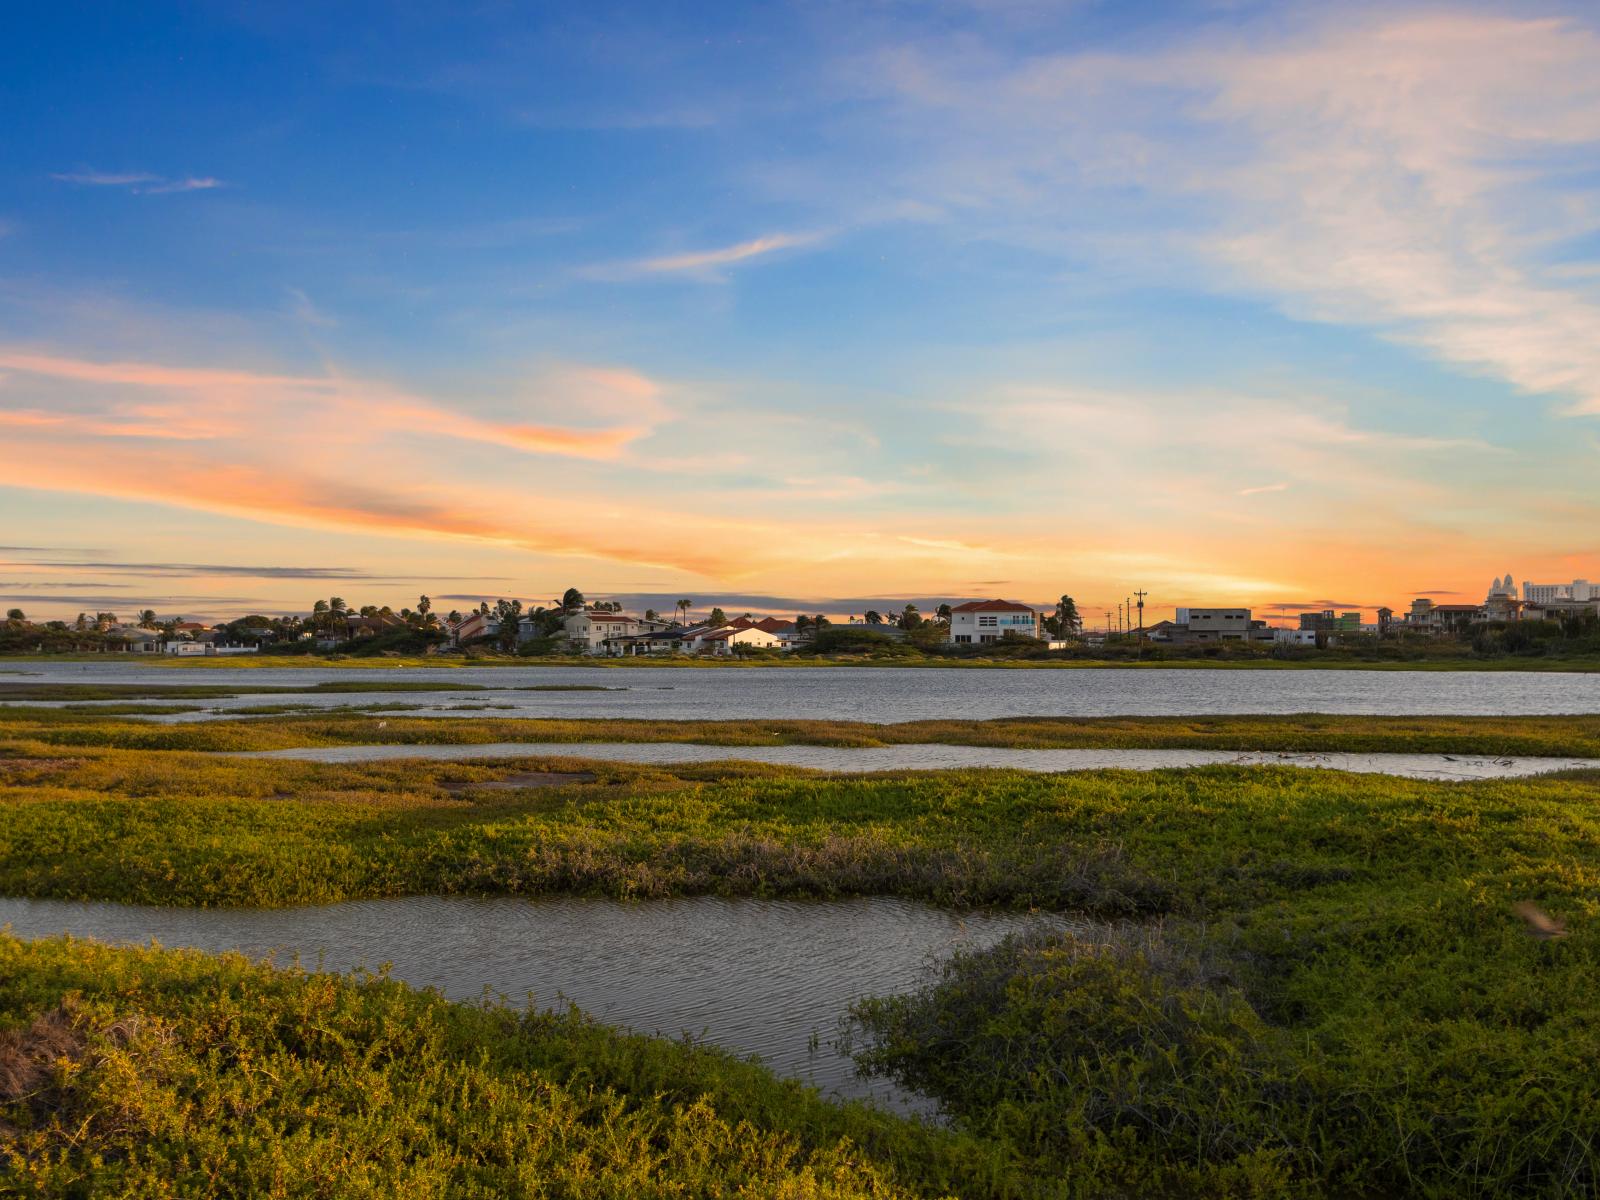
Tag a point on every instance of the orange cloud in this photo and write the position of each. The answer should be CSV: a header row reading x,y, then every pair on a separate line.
x,y
283,494
234,401
34,419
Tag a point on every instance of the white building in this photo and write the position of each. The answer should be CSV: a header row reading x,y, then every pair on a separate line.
x,y
980,621
1295,637
1579,590
728,639
598,632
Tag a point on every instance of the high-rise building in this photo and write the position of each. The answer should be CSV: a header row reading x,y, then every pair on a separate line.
x,y
1580,590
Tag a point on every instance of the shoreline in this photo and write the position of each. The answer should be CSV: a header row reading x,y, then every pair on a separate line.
x,y
454,662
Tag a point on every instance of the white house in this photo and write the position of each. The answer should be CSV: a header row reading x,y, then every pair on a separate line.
x,y
980,621
597,632
727,639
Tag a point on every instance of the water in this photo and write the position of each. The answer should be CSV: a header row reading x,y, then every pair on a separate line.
x,y
931,757
886,694
753,976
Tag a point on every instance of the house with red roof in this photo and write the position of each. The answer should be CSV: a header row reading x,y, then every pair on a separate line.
x,y
980,621
730,638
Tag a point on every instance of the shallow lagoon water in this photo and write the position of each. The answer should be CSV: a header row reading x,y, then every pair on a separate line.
x,y
752,976
886,694
939,757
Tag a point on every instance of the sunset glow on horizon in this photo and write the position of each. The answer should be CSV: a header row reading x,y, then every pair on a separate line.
x,y
809,307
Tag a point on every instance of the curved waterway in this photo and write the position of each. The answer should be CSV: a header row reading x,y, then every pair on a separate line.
x,y
884,694
939,757
766,977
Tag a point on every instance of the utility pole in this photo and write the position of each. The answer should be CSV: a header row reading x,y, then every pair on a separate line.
x,y
1141,594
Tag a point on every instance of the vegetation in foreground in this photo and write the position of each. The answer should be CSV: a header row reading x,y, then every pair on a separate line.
x,y
1310,983
1555,737
127,1073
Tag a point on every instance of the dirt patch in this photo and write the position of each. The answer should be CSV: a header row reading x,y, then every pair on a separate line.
x,y
22,770
519,781
28,1056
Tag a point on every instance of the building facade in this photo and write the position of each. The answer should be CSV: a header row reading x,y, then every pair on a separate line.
x,y
1216,625
980,621
1579,590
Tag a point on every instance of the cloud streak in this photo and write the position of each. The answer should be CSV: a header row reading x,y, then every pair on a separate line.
x,y
703,264
140,183
220,403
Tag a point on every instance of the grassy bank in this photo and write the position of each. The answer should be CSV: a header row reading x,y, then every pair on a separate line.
x,y
135,1073
1565,737
1311,984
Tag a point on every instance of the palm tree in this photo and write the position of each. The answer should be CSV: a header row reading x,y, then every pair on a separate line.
x,y
147,617
683,609
1067,619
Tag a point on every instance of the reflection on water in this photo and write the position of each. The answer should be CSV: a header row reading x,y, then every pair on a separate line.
x,y
916,757
895,693
753,976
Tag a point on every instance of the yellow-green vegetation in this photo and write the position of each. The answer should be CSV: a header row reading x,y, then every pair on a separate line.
x,y
127,1073
1309,984
1563,737
12,693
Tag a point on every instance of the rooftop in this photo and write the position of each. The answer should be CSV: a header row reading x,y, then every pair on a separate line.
x,y
990,606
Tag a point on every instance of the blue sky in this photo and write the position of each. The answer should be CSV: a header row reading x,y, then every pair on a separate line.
x,y
1266,304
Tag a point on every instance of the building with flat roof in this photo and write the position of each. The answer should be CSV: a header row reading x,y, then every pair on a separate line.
x,y
1210,625
1579,590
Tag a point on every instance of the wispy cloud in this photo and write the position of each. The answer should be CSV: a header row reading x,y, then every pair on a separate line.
x,y
139,182
703,264
1262,489
1425,174
105,178
233,401
190,183
204,570
306,312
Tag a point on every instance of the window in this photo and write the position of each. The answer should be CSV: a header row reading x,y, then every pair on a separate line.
x,y
988,622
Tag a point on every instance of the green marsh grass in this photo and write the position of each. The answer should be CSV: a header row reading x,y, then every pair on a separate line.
x,y
1563,736
140,1073
1309,984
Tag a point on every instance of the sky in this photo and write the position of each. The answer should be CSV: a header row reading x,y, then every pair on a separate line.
x,y
806,306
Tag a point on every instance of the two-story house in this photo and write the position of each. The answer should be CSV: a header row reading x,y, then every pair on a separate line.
x,y
980,621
